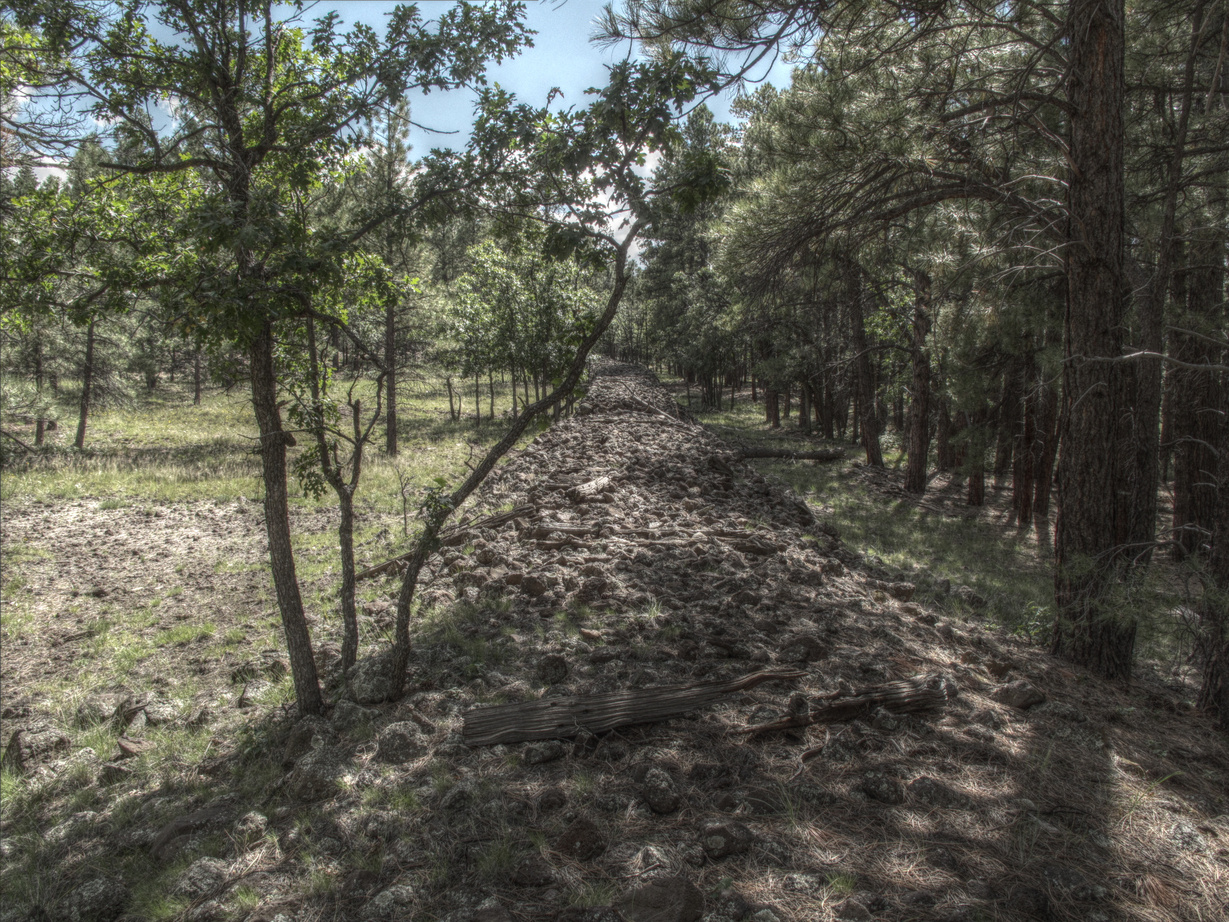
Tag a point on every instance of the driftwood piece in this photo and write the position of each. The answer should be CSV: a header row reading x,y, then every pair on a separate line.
x,y
821,454
451,537
588,492
562,718
908,696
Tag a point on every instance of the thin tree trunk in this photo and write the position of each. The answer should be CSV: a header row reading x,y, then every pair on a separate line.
x,y
919,408
390,380
87,385
273,443
40,424
869,425
196,377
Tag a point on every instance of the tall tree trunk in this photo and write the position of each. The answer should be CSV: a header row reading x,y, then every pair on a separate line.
x,y
1045,446
868,423
1089,628
273,443
1024,453
390,380
1008,420
87,385
919,406
945,453
772,408
196,377
40,424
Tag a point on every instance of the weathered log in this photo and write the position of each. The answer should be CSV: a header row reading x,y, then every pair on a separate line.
x,y
563,718
908,696
589,492
822,454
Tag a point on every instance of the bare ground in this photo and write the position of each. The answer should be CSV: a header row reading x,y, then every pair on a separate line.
x,y
1100,802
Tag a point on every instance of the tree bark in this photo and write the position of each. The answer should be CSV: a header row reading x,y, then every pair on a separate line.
x,y
390,380
1089,629
868,423
919,407
196,377
273,443
40,424
87,385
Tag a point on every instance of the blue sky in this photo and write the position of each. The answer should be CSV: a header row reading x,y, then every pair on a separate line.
x,y
562,57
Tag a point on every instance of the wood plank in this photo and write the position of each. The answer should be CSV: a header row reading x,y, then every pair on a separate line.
x,y
565,717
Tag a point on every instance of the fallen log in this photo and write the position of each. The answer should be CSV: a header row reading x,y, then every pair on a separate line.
x,y
908,696
458,535
784,454
563,718
589,492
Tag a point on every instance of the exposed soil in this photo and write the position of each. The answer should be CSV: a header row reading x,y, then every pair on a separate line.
x,y
649,556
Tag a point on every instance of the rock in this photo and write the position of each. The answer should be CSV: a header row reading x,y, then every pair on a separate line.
x,y
1019,694
203,877
883,719
881,787
582,840
113,773
93,711
926,790
902,592
533,872
546,751
401,742
26,748
458,797
722,838
803,648
552,669
674,899
659,791
533,586
971,597
390,903
853,910
1186,838
349,714
160,712
551,799
764,915
207,819
370,679
250,827
316,775
100,900
308,734
491,910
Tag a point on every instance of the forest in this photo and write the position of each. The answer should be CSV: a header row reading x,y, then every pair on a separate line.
x,y
344,479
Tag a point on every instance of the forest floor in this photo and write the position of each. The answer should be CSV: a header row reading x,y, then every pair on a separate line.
x,y
155,769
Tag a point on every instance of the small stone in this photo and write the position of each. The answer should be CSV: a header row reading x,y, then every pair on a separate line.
x,y
390,903
971,597
533,872
349,714
552,669
659,791
1187,838
1019,694
533,586
583,840
400,742
881,787
113,773
308,734
316,775
722,838
853,910
546,751
934,793
93,711
99,900
551,799
203,877
902,592
28,747
370,679
883,719
160,712
674,899
251,826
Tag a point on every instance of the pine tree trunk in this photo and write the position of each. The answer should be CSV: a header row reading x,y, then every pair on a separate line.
x,y
1009,423
40,424
87,385
390,380
868,423
772,408
1089,629
273,443
1024,452
196,377
919,407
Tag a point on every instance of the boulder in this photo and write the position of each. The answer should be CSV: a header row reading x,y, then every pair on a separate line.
x,y
316,775
659,791
673,899
99,900
204,876
722,838
400,742
1020,694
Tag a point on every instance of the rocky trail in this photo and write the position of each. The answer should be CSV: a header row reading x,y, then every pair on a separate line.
x,y
629,548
